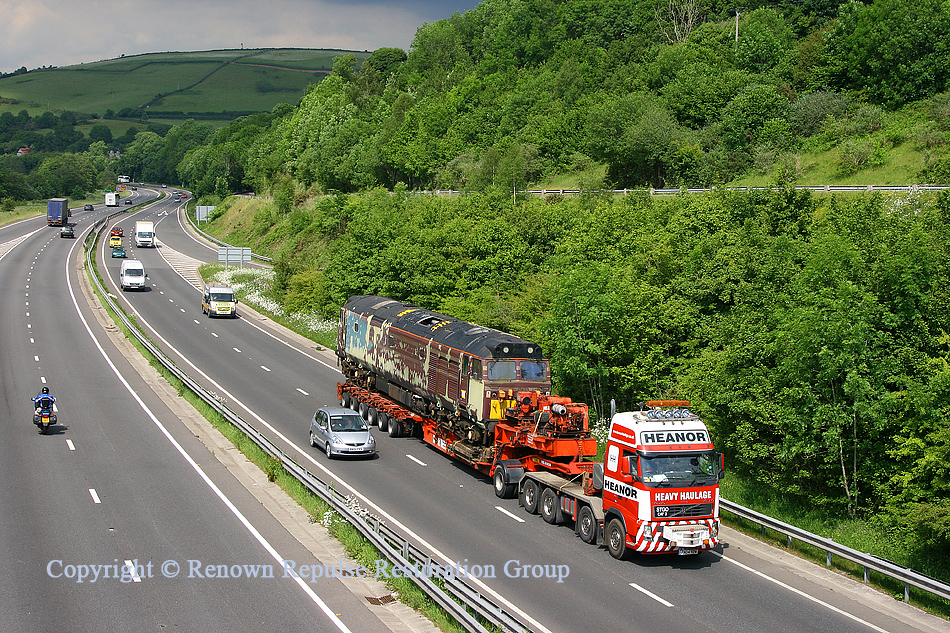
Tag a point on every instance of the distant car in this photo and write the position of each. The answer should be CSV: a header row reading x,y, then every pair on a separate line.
x,y
341,431
134,189
118,251
66,231
116,230
177,198
184,195
164,186
128,201
114,241
88,207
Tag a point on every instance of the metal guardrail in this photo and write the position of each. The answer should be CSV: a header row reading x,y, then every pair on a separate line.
x,y
909,577
394,547
401,552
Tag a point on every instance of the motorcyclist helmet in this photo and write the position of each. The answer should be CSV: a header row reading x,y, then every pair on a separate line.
x,y
45,389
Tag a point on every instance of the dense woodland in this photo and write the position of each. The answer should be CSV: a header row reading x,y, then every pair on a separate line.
x,y
810,331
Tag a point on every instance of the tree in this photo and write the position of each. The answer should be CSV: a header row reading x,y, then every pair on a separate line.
x,y
100,132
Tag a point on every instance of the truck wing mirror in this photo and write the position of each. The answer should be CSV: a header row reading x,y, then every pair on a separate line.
x,y
722,466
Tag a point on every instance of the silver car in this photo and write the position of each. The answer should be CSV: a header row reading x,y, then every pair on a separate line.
x,y
341,432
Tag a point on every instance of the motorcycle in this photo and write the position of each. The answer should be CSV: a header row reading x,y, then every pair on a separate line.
x,y
44,419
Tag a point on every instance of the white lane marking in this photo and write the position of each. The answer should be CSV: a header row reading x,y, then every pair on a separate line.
x,y
69,443
416,460
27,314
511,514
31,340
264,368
236,350
182,309
95,497
803,594
191,462
171,301
195,320
43,379
651,594
36,358
133,573
301,391
29,326
214,335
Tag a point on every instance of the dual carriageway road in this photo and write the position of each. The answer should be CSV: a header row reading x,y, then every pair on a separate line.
x,y
275,380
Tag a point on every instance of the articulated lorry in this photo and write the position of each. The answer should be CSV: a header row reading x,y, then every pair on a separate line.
x,y
57,212
484,397
144,234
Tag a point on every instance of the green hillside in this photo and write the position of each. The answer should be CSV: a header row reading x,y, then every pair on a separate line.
x,y
208,85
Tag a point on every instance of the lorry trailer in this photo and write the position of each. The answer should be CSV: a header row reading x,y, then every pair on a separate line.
x,y
57,211
484,397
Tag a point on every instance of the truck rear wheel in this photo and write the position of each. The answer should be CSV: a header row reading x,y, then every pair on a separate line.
x,y
531,496
372,416
587,525
502,490
395,427
383,421
616,539
363,410
550,506
345,399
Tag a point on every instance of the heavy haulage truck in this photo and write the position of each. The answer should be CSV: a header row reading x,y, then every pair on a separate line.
x,y
484,397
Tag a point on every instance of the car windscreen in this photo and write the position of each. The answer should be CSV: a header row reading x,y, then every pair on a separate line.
x,y
134,272
347,423
222,296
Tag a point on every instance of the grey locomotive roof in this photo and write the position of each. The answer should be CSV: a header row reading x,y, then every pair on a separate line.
x,y
475,339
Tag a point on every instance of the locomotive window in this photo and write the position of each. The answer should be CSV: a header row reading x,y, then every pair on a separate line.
x,y
356,326
531,370
476,367
501,370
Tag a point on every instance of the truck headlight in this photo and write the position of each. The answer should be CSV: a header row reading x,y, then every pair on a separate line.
x,y
648,531
714,529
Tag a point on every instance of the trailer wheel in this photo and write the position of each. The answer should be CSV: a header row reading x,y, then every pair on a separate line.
x,y
616,538
550,509
587,525
372,416
354,404
383,421
363,410
531,496
502,490
395,427
345,399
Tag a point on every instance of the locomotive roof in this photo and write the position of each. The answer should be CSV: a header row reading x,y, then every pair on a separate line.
x,y
477,340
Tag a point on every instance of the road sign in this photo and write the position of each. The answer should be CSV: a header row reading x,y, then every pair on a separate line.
x,y
234,255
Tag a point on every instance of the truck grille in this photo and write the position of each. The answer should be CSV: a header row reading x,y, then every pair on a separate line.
x,y
683,511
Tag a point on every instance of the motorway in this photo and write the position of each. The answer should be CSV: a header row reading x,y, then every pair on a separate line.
x,y
275,381
121,478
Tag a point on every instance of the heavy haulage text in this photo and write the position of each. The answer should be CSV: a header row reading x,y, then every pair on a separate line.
x,y
134,571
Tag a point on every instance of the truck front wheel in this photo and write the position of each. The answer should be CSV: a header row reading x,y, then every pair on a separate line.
x,y
616,538
531,496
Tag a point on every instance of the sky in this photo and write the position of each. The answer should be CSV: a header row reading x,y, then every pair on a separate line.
x,y
36,33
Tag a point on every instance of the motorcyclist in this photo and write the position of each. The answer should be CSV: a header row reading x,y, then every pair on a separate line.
x,y
43,400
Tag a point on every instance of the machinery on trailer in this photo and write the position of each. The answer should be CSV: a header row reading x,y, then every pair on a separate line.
x,y
484,397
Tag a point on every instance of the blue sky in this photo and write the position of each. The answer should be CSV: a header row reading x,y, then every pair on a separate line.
x,y
36,33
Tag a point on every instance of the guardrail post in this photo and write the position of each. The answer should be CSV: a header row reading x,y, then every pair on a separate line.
x,y
867,575
828,559
906,592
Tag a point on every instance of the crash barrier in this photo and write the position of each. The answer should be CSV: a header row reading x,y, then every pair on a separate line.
x,y
390,544
400,551
869,562
219,242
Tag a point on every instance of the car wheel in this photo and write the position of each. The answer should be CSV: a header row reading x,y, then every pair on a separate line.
x,y
328,451
313,439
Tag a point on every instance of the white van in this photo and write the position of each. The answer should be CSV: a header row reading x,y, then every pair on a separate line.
x,y
132,275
